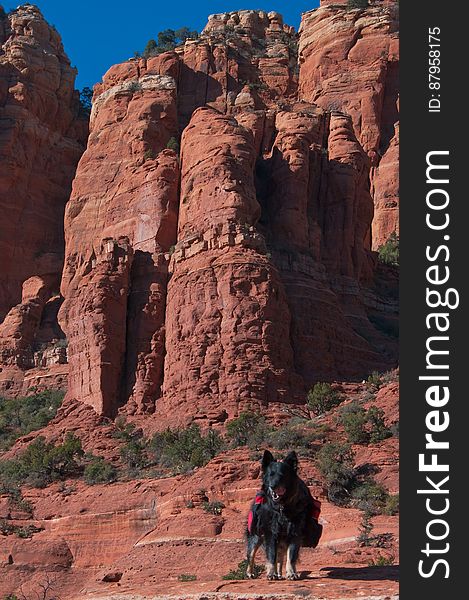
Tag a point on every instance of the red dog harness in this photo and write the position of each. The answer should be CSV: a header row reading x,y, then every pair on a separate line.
x,y
261,499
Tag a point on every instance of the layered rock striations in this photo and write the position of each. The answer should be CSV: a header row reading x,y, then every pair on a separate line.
x,y
349,62
41,141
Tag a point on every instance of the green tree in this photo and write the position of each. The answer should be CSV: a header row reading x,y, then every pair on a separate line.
x,y
249,429
388,253
322,397
335,461
86,100
150,49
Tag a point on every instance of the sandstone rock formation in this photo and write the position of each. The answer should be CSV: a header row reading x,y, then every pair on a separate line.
x,y
349,62
244,283
240,272
119,222
41,140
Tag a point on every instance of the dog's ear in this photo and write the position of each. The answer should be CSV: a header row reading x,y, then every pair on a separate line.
x,y
292,460
267,459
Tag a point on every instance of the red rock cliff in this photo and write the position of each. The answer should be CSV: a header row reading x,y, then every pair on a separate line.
x,y
238,273
41,141
350,62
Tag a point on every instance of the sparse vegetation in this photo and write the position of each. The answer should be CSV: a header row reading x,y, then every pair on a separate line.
x,y
391,506
167,40
173,144
364,426
336,463
215,507
388,253
149,154
187,577
184,449
371,497
322,397
241,571
249,429
86,100
98,470
352,4
365,528
382,561
42,463
20,416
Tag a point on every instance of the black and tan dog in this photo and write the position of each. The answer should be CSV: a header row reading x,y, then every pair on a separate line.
x,y
283,517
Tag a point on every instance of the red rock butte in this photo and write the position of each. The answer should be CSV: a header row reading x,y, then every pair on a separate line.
x,y
210,246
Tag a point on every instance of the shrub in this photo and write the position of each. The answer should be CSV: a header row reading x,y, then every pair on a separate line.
x,y
370,497
353,420
241,571
20,416
249,429
374,381
184,449
215,508
149,154
364,426
168,39
378,429
391,506
99,471
187,577
382,561
388,253
322,397
42,462
351,4
336,463
289,438
86,100
173,144
365,528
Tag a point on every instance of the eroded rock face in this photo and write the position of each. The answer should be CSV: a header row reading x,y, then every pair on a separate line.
x,y
41,141
227,319
349,61
119,222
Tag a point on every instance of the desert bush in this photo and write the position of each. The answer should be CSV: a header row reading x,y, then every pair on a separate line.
x,y
388,253
369,496
374,381
353,419
241,571
249,429
351,4
336,463
168,39
365,528
42,462
184,449
391,505
382,561
149,154
187,577
215,507
364,426
98,470
289,437
20,416
322,397
173,144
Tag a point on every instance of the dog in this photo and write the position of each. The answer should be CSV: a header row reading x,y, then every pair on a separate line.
x,y
283,517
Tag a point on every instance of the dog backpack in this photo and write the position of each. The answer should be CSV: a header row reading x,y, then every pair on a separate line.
x,y
252,516
313,530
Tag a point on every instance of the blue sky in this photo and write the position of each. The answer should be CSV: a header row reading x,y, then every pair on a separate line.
x,y
100,33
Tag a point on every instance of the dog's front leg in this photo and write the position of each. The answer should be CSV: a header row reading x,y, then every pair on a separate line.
x,y
280,560
292,557
271,555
